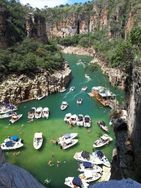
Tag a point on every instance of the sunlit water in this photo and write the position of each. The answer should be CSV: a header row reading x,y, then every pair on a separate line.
x,y
63,164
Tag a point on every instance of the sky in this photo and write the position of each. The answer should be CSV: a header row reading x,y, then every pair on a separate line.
x,y
50,3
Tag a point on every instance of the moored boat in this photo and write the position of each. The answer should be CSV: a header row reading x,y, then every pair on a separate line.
x,y
73,119
31,114
89,166
64,105
15,117
72,88
75,182
12,143
103,126
68,143
45,113
62,90
84,88
6,115
7,107
90,176
80,121
67,117
66,137
102,141
38,112
79,101
38,140
87,121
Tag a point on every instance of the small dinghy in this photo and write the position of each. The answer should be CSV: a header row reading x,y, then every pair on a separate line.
x,y
67,117
102,141
76,182
12,143
64,105
103,126
90,176
38,140
45,113
68,143
15,117
89,166
79,101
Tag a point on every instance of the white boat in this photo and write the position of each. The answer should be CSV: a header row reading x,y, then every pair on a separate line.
x,y
45,113
6,115
84,88
68,143
103,126
40,97
62,90
90,176
73,119
38,112
15,117
72,88
102,141
79,101
75,182
100,157
31,114
66,137
87,121
12,143
37,140
89,166
67,117
64,105
5,108
80,121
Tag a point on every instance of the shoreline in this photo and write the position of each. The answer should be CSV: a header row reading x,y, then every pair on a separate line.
x,y
115,75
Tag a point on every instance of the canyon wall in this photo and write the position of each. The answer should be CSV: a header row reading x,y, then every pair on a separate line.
x,y
3,41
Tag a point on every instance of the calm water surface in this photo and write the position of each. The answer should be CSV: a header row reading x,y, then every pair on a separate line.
x,y
37,161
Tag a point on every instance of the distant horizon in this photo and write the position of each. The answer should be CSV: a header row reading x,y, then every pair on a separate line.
x,y
50,3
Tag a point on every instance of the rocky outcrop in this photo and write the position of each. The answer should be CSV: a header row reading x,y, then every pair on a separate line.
x,y
3,42
12,176
22,88
36,27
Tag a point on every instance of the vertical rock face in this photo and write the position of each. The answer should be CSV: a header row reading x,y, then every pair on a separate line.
x,y
3,42
134,109
36,27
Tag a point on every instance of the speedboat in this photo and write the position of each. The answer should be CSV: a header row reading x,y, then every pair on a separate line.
x,y
68,143
73,119
84,88
6,115
45,113
66,137
37,140
90,176
64,105
87,121
62,90
67,117
15,117
80,121
102,141
72,88
7,107
103,126
38,112
75,182
89,166
79,101
12,143
101,158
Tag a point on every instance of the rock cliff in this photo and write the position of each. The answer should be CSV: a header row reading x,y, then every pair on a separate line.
x,y
22,88
12,176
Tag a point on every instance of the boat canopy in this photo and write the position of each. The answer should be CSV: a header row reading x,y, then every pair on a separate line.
x,y
77,181
66,136
87,164
99,153
14,138
85,154
9,144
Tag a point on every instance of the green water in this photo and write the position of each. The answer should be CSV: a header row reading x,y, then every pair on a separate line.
x,y
37,161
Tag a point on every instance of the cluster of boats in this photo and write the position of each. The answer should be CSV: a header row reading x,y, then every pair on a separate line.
x,y
67,140
90,168
38,113
79,120
14,142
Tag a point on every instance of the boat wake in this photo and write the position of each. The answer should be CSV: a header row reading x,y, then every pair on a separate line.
x,y
88,78
67,94
76,95
80,62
